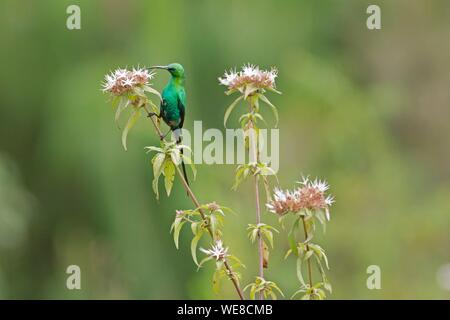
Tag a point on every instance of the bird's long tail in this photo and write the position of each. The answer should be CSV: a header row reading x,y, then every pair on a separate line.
x,y
183,166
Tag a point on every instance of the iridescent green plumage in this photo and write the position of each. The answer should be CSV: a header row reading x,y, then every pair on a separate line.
x,y
173,104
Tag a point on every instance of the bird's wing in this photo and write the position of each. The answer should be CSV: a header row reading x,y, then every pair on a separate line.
x,y
181,107
161,106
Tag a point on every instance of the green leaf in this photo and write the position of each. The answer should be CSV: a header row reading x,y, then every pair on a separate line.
x,y
152,148
213,223
306,297
115,101
269,235
169,175
139,91
249,89
291,236
274,109
287,254
157,161
253,292
308,254
175,156
274,285
299,271
230,109
259,116
194,227
153,91
203,261
194,244
236,259
238,178
154,109
246,117
123,104
131,122
328,287
320,215
301,290
274,90
320,254
321,270
176,232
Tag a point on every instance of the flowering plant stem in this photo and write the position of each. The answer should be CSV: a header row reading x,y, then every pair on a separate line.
x,y
258,207
251,83
307,249
152,117
191,194
260,240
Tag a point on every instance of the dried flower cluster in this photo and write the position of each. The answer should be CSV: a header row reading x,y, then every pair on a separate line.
x,y
121,81
249,76
217,252
310,195
213,206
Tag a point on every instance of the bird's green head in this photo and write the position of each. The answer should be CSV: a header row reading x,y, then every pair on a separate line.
x,y
175,69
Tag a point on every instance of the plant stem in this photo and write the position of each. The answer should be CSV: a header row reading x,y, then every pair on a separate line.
x,y
194,200
230,273
260,240
307,249
233,279
151,116
258,208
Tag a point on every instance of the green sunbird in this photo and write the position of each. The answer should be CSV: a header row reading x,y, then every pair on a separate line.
x,y
173,104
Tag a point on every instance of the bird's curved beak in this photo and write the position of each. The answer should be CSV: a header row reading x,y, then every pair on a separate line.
x,y
159,67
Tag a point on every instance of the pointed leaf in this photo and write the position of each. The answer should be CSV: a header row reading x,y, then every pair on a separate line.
x,y
203,261
230,109
274,109
169,175
249,89
299,271
123,104
151,90
131,122
157,161
194,244
176,232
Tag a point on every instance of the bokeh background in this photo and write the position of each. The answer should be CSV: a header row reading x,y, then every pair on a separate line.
x,y
367,110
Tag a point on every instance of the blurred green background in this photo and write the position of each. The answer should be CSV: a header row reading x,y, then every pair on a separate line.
x,y
367,110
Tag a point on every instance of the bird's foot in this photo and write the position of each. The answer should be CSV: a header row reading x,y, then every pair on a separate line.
x,y
151,114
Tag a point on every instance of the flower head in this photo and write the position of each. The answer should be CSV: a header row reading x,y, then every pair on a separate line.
x,y
121,81
213,206
250,77
217,252
310,195
283,202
